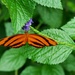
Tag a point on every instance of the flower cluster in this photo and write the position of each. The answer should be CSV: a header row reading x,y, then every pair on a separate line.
x,y
26,27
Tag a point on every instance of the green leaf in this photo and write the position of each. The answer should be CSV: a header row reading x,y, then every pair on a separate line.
x,y
71,6
50,16
2,50
4,14
12,59
8,29
20,12
48,55
52,70
32,71
6,73
52,54
60,36
43,70
50,3
69,28
69,64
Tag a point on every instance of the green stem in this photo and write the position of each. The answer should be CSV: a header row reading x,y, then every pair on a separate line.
x,y
38,26
38,32
16,72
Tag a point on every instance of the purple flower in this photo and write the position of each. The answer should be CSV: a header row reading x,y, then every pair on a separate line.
x,y
26,27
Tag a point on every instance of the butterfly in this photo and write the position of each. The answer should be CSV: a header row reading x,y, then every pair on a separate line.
x,y
19,40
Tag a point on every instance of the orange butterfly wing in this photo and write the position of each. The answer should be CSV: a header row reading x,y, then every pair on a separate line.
x,y
14,41
40,41
32,39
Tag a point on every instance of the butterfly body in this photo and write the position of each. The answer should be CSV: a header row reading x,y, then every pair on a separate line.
x,y
19,40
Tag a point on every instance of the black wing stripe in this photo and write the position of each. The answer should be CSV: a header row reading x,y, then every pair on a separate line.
x,y
16,40
41,40
2,41
8,40
45,40
35,40
17,44
36,43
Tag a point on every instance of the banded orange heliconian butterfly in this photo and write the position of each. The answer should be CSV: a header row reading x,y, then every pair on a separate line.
x,y
19,40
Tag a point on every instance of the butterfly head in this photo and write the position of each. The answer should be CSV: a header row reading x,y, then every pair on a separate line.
x,y
26,27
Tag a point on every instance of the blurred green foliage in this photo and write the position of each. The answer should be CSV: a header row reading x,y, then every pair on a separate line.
x,y
45,17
